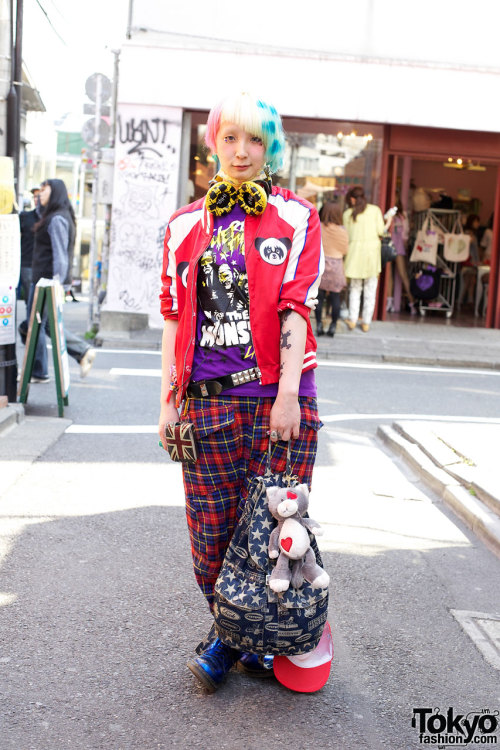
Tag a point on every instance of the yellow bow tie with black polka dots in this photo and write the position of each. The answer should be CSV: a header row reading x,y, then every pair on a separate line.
x,y
223,195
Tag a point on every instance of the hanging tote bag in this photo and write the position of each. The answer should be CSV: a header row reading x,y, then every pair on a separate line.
x,y
456,244
248,615
426,244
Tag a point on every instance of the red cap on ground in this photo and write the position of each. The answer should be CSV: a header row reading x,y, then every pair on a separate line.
x,y
309,672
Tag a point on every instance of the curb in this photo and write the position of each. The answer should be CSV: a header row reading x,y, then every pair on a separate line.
x,y
482,521
23,446
114,340
11,415
398,359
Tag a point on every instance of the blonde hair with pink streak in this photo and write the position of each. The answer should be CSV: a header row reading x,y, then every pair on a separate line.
x,y
256,117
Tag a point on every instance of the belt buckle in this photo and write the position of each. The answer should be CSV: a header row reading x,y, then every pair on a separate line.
x,y
204,390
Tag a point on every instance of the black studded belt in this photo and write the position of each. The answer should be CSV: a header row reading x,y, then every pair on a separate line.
x,y
204,388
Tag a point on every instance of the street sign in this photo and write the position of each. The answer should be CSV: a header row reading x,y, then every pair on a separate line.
x,y
89,109
91,87
88,133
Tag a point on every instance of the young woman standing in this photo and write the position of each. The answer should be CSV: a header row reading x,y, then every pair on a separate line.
x,y
333,281
240,277
365,226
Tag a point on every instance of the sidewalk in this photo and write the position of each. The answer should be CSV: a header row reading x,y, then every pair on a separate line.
x,y
425,341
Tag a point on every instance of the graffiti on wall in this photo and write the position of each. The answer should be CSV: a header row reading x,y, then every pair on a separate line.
x,y
145,189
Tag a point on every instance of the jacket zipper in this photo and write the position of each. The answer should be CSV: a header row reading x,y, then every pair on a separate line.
x,y
193,317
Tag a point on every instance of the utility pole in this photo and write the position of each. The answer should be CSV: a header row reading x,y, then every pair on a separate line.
x,y
109,157
95,186
96,133
18,83
11,249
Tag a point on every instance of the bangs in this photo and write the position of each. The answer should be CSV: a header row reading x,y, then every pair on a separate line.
x,y
254,116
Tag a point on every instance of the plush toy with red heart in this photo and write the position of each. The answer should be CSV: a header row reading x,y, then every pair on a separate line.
x,y
289,542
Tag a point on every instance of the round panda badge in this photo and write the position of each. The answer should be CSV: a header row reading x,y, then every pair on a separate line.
x,y
274,251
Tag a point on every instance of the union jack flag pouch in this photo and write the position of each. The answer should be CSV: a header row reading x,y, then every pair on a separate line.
x,y
180,440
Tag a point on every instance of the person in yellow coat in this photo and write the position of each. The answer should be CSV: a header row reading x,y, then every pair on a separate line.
x,y
365,226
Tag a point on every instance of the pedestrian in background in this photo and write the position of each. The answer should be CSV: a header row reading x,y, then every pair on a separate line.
x,y
253,328
52,257
27,220
365,226
335,245
468,275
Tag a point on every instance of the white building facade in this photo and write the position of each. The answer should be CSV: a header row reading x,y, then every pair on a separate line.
x,y
365,94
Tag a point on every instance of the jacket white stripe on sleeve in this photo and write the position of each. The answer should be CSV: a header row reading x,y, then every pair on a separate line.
x,y
297,215
309,359
179,229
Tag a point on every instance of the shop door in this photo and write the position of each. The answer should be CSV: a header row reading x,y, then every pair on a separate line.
x,y
483,306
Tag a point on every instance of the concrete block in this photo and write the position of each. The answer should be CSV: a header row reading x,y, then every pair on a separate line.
x,y
428,439
480,518
433,475
112,320
10,416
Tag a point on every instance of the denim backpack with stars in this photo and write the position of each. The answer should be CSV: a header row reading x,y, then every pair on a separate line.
x,y
248,615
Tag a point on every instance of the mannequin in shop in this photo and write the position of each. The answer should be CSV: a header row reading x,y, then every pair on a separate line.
x,y
486,243
468,273
335,246
444,201
400,230
421,199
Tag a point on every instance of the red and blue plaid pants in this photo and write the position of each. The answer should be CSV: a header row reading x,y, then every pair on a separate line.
x,y
232,440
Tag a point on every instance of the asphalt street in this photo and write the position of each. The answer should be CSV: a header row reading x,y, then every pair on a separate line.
x,y
100,608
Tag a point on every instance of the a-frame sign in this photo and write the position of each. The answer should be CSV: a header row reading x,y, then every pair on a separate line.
x,y
47,304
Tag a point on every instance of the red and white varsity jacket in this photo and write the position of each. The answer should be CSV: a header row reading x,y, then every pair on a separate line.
x,y
284,262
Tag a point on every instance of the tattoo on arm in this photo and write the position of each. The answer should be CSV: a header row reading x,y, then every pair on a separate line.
x,y
282,367
284,340
285,334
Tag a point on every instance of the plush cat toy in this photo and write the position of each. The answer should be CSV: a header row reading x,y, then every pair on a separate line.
x,y
289,540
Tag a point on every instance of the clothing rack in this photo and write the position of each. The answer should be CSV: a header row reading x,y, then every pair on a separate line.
x,y
445,220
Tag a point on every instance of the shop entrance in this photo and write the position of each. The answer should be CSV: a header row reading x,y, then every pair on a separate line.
x,y
448,180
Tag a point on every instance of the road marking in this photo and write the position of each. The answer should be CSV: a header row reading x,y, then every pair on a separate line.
x,y
112,429
146,429
416,417
136,372
435,370
146,372
156,352
484,630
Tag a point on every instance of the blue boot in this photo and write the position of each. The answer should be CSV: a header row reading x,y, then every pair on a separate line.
x,y
255,665
212,665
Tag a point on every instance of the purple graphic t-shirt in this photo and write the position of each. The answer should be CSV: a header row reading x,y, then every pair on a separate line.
x,y
224,339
